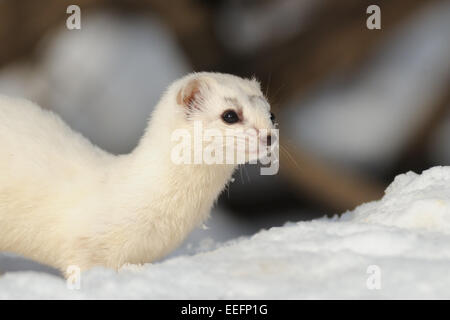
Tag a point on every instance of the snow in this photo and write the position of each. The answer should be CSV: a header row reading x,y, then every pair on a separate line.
x,y
405,235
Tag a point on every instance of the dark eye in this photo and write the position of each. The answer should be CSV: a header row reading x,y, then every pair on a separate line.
x,y
272,117
230,116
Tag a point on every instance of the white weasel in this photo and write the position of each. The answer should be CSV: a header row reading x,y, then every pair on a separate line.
x,y
64,201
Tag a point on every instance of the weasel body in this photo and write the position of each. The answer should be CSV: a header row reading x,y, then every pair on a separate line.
x,y
64,201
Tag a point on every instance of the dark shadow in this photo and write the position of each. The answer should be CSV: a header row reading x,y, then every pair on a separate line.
x,y
13,263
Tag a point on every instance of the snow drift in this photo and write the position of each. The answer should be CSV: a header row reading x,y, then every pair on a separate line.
x,y
405,235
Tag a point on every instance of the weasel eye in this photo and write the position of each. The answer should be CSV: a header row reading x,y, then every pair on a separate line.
x,y
230,116
272,117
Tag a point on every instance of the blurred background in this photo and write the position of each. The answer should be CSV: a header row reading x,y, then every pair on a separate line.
x,y
355,106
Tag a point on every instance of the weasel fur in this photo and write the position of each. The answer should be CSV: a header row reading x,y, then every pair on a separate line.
x,y
64,201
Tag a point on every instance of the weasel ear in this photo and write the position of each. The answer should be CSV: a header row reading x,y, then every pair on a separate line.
x,y
191,95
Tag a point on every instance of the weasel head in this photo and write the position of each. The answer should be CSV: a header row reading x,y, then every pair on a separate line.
x,y
228,105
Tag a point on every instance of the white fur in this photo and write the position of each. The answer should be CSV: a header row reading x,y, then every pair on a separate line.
x,y
66,202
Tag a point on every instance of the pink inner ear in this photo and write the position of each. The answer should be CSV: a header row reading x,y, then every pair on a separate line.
x,y
188,96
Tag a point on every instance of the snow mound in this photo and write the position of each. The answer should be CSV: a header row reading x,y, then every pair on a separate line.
x,y
412,201
405,236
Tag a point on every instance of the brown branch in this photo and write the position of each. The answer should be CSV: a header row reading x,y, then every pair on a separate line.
x,y
337,40
414,150
336,188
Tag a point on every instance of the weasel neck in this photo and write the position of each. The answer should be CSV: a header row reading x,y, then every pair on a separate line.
x,y
151,181
164,201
